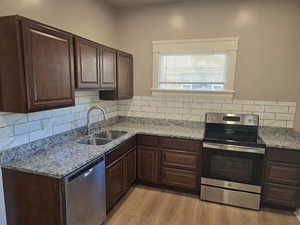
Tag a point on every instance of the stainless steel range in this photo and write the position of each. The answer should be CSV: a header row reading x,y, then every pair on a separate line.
x,y
233,158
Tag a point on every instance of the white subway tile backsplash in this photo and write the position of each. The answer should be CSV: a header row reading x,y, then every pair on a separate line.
x,y
271,113
16,129
36,135
292,110
267,116
60,128
274,123
277,109
253,108
287,103
13,141
39,115
174,104
281,116
173,116
12,118
25,128
232,107
6,131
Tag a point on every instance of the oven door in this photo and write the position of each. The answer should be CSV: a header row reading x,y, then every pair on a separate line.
x,y
236,164
232,175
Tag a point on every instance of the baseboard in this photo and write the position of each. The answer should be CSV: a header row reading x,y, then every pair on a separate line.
x,y
298,214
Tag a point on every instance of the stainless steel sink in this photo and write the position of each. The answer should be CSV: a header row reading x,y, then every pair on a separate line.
x,y
110,134
94,141
102,138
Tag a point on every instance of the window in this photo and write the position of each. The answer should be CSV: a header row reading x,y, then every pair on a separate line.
x,y
195,71
195,66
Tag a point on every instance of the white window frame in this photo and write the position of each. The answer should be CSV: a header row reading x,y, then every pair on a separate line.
x,y
213,45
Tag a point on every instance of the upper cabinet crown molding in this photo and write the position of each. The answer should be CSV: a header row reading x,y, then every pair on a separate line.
x,y
37,69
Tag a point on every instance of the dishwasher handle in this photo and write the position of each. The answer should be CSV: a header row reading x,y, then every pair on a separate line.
x,y
86,171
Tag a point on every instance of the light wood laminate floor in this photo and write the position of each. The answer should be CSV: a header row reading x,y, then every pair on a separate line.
x,y
150,206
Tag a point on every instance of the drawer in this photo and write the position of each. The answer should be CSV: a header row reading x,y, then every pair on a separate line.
x,y
147,140
120,150
283,173
283,155
179,178
180,159
281,195
180,144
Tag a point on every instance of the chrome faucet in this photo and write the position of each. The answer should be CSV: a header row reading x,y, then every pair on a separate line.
x,y
88,116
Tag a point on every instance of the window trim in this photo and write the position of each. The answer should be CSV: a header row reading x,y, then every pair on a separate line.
x,y
212,45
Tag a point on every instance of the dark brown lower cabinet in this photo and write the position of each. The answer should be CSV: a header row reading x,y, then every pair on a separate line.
x,y
282,179
33,199
179,178
114,182
129,169
281,195
148,164
120,175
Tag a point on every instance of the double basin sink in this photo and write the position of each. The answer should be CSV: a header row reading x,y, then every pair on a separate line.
x,y
102,138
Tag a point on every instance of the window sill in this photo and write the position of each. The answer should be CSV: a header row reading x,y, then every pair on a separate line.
x,y
224,94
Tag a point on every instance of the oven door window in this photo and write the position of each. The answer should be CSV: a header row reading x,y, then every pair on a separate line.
x,y
233,166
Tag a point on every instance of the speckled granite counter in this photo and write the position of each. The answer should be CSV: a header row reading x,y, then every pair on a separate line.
x,y
62,159
280,138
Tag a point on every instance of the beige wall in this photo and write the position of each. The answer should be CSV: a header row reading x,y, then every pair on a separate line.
x,y
269,51
89,18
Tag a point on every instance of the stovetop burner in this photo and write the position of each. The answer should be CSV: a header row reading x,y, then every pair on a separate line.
x,y
242,142
233,129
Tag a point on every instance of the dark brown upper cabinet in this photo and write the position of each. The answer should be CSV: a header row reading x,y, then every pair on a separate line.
x,y
124,89
109,68
87,64
36,66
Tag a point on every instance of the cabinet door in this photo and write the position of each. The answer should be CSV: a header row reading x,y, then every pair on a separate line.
x,y
283,173
148,164
281,195
130,169
114,182
179,178
108,75
87,64
49,67
125,76
180,159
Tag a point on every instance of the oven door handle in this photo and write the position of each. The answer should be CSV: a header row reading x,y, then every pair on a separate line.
x,y
234,148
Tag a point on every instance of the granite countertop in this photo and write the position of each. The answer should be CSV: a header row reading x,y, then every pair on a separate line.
x,y
284,138
62,159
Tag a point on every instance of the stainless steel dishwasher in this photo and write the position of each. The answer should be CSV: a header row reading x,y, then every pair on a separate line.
x,y
85,195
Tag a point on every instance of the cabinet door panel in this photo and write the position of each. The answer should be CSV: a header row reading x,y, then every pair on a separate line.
x,y
282,173
49,67
130,169
108,75
281,195
179,178
87,64
114,182
148,164
147,140
180,144
180,159
125,76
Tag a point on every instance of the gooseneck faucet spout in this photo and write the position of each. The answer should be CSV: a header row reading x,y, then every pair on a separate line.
x,y
88,116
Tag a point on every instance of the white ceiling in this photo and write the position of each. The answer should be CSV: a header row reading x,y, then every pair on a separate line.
x,y
132,3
